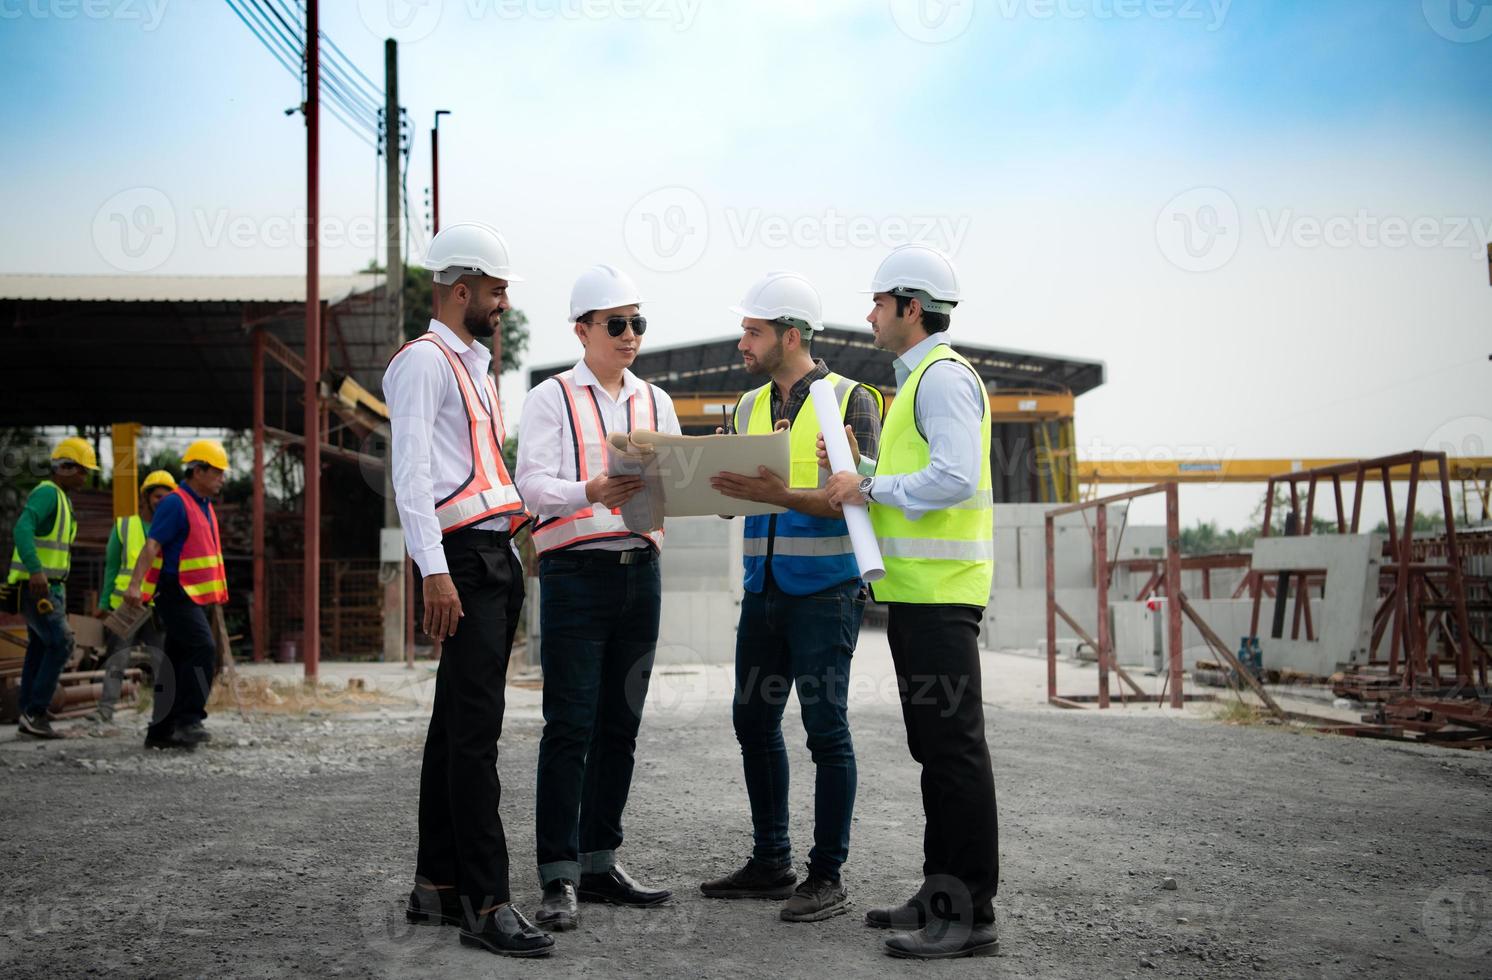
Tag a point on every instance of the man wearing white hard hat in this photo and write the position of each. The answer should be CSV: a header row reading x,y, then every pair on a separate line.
x,y
802,606
931,504
599,598
459,507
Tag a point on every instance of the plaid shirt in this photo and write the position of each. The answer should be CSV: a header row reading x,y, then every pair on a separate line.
x,y
862,414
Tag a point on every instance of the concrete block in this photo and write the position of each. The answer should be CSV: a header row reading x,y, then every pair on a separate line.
x,y
1344,625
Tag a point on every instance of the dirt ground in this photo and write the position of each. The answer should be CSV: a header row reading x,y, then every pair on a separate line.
x,y
286,848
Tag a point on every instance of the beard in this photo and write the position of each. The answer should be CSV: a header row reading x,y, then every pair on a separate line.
x,y
767,363
478,324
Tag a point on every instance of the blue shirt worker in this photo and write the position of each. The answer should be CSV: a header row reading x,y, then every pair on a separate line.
x,y
801,612
600,595
44,534
931,504
183,556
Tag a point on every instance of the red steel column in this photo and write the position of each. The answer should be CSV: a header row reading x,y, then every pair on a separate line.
x,y
261,600
435,177
311,637
1051,609
1101,580
1173,592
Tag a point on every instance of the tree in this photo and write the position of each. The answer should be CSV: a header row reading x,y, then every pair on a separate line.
x,y
419,302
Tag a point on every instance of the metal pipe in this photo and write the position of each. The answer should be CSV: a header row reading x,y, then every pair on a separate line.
x,y
261,598
312,500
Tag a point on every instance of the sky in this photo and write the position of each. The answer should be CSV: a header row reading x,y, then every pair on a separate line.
x,y
1269,220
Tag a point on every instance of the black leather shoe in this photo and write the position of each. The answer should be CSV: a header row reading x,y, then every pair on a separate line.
x,y
434,907
507,933
195,733
753,880
557,912
941,939
618,888
908,916
172,741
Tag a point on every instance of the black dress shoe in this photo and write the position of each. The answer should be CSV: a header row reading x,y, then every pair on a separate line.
x,y
941,939
171,741
618,888
434,907
507,933
908,916
196,733
557,912
753,880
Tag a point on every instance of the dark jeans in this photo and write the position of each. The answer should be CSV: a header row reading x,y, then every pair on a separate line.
x,y
462,844
598,632
185,665
936,653
785,640
49,642
117,660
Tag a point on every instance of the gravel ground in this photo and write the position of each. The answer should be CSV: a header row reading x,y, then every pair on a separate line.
x,y
286,848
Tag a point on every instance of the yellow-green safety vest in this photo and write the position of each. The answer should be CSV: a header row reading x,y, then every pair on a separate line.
x,y
946,557
53,548
131,531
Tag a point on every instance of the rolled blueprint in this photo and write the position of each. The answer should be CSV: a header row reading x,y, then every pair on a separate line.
x,y
867,550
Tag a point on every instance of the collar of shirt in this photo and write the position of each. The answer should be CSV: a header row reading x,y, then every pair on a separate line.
x,y
907,363
194,494
631,385
462,348
788,405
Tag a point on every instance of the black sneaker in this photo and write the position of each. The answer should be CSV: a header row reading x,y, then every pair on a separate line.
x,y
37,726
819,897
754,880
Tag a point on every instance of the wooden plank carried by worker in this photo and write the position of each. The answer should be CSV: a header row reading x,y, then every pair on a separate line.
x,y
125,621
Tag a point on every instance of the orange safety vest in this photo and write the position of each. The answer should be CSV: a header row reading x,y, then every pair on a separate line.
x,y
488,491
200,571
594,522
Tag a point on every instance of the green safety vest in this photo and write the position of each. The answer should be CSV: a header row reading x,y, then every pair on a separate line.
x,y
947,557
131,531
53,548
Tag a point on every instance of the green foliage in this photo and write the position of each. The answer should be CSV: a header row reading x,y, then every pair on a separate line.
x,y
419,302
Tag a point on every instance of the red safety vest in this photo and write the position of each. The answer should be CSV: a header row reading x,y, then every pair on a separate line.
x,y
594,522
200,570
488,491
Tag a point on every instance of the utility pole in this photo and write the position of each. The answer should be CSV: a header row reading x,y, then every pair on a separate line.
x,y
311,614
391,574
435,171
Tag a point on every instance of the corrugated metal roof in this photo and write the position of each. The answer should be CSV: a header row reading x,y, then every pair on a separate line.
x,y
181,289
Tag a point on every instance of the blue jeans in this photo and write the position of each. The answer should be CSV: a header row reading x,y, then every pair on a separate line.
x,y
598,632
807,641
49,642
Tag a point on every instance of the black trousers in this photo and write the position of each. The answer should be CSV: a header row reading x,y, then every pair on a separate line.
x,y
462,844
935,649
185,665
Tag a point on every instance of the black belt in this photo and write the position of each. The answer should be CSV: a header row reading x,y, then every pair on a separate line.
x,y
632,556
471,535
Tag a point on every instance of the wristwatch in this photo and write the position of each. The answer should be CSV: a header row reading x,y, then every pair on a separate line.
x,y
865,486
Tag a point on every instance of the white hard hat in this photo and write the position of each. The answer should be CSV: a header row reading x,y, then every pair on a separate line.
x,y
602,287
921,271
783,296
468,248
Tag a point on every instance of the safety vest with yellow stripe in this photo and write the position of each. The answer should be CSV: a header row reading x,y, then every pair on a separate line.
x,y
488,490
588,437
131,533
200,570
946,557
53,549
807,554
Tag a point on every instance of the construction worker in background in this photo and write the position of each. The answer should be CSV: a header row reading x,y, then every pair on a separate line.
x,y
931,504
188,576
801,611
459,508
600,597
126,541
44,534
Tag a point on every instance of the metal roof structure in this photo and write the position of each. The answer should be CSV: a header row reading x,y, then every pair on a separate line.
x,y
172,350
714,366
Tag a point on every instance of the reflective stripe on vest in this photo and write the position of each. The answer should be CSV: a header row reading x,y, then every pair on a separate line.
x,y
488,490
53,549
809,554
200,570
131,532
948,555
588,438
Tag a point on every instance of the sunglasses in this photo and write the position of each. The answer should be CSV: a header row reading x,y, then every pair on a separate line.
x,y
617,325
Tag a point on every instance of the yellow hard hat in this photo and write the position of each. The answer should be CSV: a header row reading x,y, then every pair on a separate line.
x,y
208,451
159,478
76,450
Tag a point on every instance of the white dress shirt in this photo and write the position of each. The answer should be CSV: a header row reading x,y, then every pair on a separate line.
x,y
431,449
951,402
547,477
